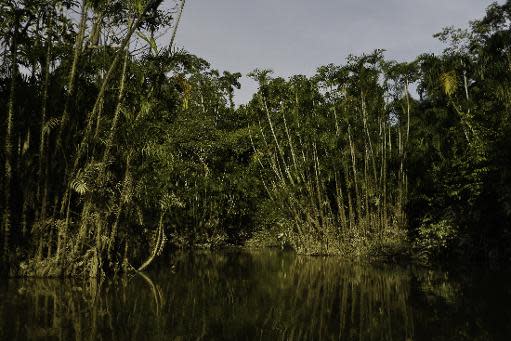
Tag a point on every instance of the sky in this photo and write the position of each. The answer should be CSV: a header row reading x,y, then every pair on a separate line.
x,y
297,36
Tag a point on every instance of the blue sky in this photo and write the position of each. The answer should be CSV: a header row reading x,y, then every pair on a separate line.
x,y
297,36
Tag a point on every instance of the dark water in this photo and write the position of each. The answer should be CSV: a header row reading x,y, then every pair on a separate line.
x,y
264,295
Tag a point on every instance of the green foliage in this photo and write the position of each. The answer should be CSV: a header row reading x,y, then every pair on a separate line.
x,y
436,238
459,149
112,143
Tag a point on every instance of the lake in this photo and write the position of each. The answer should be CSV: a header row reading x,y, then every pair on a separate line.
x,y
262,295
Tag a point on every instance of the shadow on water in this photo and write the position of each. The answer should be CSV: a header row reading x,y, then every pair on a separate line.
x,y
266,295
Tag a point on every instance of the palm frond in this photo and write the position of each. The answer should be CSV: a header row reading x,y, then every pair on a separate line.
x,y
449,81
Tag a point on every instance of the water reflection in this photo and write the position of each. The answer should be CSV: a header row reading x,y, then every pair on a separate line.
x,y
263,296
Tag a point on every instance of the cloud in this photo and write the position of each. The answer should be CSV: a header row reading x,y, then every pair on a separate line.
x,y
297,36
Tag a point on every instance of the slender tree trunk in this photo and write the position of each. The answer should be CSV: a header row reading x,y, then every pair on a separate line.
x,y
42,190
279,148
125,187
72,74
158,245
6,219
367,133
404,154
96,29
174,31
355,177
117,113
109,144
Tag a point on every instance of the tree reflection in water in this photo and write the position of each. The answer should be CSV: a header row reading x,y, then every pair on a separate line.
x,y
249,295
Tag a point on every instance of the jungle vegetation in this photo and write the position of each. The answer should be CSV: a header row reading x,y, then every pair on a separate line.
x,y
116,147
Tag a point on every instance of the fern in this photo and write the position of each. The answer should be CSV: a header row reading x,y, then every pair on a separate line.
x,y
51,124
80,186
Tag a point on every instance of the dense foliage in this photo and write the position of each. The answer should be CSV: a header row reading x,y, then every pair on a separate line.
x,y
113,144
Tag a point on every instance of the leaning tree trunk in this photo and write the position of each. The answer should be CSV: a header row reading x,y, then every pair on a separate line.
x,y
72,74
159,243
61,233
173,38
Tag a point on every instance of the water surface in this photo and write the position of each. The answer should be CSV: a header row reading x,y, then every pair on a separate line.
x,y
263,295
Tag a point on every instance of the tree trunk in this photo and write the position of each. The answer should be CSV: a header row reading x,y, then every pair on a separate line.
x,y
42,190
72,74
173,38
158,245
8,150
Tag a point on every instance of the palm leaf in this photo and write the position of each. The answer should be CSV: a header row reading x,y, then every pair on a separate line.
x,y
449,81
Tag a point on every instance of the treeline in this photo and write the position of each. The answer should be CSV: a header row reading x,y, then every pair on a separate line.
x,y
114,146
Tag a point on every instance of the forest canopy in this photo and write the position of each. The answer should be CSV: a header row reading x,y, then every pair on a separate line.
x,y
116,148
